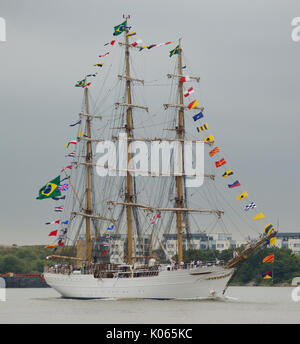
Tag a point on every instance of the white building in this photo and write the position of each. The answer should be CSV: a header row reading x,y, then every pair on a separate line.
x,y
288,241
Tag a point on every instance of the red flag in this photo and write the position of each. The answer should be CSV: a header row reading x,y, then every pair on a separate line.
x,y
88,84
184,79
69,167
136,42
53,233
220,162
61,244
104,55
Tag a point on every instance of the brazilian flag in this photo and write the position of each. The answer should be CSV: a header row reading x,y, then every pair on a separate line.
x,y
119,29
174,51
50,189
80,83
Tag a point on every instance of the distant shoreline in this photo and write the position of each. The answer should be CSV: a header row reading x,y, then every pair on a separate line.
x,y
24,282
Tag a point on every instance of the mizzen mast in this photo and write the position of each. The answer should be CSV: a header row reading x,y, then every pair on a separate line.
x,y
88,209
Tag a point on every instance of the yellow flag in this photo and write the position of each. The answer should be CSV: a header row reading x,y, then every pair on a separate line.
x,y
267,277
80,134
209,139
242,195
227,173
273,241
258,216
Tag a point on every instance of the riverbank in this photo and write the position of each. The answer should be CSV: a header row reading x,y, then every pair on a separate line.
x,y
25,281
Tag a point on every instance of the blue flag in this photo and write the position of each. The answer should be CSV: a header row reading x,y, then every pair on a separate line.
x,y
198,116
57,198
72,125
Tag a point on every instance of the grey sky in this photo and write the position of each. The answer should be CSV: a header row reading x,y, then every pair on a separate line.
x,y
250,82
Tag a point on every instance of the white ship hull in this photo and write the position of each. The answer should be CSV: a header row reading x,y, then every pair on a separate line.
x,y
177,284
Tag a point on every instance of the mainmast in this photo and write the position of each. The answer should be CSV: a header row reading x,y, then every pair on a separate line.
x,y
129,136
180,131
88,209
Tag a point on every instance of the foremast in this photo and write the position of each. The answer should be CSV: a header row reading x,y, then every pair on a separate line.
x,y
88,157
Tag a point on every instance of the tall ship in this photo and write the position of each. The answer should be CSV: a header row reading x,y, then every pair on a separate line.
x,y
117,211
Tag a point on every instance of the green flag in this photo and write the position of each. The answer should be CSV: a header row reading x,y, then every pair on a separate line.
x,y
50,189
119,29
80,83
174,51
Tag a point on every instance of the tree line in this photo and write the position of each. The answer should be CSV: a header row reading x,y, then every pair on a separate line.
x,y
286,266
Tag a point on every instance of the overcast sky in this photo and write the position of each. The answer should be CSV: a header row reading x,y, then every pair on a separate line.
x,y
250,85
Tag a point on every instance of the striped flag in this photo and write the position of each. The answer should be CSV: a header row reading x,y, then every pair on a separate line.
x,y
268,229
235,184
58,209
129,34
202,128
188,92
269,259
214,151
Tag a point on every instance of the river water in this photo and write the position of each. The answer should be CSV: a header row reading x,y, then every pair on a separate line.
x,y
245,305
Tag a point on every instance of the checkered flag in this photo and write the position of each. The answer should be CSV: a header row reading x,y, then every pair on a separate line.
x,y
252,205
